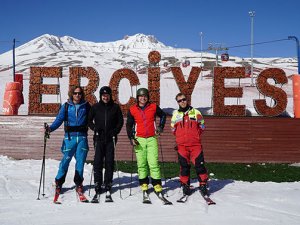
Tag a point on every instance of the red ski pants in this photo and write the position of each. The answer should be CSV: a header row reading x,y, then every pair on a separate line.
x,y
194,154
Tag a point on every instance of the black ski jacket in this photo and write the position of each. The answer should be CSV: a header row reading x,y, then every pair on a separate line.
x,y
106,120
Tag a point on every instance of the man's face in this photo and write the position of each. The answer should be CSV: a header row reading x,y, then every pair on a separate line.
x,y
77,94
142,100
181,100
105,98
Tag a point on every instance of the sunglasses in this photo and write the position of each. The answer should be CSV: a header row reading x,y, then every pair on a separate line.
x,y
77,93
181,100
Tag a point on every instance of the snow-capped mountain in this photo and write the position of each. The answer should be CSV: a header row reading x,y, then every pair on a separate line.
x,y
131,52
49,42
50,50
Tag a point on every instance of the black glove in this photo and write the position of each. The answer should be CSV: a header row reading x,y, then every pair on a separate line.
x,y
47,130
134,142
112,133
159,130
99,136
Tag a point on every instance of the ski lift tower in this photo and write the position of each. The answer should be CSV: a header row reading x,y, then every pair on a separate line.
x,y
252,14
297,48
216,47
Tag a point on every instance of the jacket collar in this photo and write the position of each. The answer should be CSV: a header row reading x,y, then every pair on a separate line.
x,y
186,109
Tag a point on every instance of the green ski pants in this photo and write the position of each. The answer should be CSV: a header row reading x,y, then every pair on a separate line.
x,y
147,158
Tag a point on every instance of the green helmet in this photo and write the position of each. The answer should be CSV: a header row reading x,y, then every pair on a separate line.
x,y
142,91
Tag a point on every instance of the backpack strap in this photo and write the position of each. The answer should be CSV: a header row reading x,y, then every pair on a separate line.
x,y
68,129
67,119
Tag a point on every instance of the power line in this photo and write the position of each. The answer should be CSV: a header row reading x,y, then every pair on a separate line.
x,y
259,43
7,41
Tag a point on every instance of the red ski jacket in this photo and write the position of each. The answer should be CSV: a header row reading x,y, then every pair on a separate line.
x,y
141,121
187,127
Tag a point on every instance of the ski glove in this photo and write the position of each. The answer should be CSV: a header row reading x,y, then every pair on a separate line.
x,y
134,142
47,130
176,147
112,133
202,126
159,130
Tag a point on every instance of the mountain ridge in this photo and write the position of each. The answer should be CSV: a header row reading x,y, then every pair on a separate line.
x,y
130,52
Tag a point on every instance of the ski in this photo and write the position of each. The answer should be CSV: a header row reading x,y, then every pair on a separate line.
x,y
108,197
163,199
183,199
146,199
96,198
207,199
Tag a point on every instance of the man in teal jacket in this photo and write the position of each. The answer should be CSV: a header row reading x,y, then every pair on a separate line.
x,y
74,115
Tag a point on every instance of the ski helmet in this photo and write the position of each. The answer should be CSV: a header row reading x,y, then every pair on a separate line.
x,y
142,91
105,90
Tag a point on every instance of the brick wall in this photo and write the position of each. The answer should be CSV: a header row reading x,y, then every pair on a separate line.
x,y
226,139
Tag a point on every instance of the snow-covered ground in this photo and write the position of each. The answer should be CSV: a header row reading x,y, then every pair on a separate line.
x,y
238,202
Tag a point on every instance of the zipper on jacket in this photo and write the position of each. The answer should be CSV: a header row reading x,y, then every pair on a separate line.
x,y
105,119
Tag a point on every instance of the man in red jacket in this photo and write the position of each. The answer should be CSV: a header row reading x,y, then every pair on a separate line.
x,y
187,125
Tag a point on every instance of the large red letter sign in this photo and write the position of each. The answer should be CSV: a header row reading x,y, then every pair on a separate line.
x,y
277,94
220,92
37,88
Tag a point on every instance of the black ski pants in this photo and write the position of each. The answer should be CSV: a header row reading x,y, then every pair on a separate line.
x,y
104,157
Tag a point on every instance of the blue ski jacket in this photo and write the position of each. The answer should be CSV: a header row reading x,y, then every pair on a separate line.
x,y
76,118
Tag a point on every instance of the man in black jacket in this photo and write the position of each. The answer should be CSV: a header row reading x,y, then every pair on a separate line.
x,y
106,120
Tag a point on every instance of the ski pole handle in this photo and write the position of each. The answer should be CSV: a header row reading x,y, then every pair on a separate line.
x,y
47,130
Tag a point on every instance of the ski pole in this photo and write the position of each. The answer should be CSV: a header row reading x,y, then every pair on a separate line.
x,y
42,177
163,163
95,145
91,180
131,170
117,169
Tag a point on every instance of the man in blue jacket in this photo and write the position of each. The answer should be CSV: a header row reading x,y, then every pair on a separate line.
x,y
74,114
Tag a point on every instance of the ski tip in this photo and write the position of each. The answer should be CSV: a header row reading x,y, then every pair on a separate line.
x,y
147,202
183,199
94,202
168,203
211,203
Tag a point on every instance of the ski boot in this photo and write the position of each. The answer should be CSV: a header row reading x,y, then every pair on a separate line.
x,y
108,197
186,189
81,196
203,189
159,193
146,199
57,193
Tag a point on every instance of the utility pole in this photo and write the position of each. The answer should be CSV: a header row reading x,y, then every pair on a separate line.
x,y
298,50
201,35
14,62
252,14
216,47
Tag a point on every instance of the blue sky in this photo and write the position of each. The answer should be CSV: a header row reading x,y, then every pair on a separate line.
x,y
175,23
